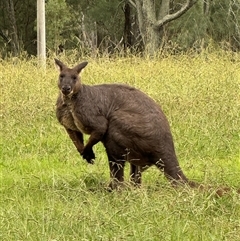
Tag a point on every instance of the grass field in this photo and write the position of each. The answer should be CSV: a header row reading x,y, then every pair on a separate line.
x,y
48,193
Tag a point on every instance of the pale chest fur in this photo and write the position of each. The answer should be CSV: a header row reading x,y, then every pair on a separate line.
x,y
80,124
68,119
68,122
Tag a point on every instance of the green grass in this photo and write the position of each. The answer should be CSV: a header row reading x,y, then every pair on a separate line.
x,y
48,193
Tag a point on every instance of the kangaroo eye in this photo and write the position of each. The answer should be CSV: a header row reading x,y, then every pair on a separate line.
x,y
74,77
62,76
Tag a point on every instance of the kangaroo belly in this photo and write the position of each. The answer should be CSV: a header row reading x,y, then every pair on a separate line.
x,y
144,163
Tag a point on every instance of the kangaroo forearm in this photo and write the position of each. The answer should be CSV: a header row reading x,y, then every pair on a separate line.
x,y
93,140
77,139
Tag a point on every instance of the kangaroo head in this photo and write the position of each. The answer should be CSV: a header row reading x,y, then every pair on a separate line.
x,y
69,81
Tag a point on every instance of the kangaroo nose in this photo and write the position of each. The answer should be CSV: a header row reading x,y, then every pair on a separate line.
x,y
66,89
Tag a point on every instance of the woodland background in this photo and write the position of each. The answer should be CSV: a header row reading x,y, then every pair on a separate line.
x,y
95,27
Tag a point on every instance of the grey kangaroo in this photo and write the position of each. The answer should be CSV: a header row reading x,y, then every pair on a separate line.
x,y
131,126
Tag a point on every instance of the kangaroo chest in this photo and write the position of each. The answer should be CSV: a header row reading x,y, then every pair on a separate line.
x,y
78,114
80,124
68,118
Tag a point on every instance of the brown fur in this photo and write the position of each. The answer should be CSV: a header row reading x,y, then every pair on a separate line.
x,y
131,126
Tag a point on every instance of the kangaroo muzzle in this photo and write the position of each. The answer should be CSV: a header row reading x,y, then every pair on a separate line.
x,y
66,89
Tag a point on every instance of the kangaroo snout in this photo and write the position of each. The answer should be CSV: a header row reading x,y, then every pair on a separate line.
x,y
66,89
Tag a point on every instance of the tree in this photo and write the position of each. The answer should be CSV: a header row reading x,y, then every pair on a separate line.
x,y
59,24
12,27
224,22
17,23
152,18
211,22
127,40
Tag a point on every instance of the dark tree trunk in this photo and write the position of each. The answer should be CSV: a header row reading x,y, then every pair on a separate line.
x,y
127,38
13,34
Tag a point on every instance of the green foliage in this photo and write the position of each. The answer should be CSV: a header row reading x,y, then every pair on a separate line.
x,y
198,28
224,19
59,23
109,18
49,193
25,15
71,23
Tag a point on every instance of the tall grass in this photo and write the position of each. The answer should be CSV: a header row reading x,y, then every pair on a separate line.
x,y
49,193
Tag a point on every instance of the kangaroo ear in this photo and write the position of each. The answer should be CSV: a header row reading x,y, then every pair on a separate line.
x,y
60,66
81,66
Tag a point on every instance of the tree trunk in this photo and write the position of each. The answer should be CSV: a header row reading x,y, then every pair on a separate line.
x,y
151,21
127,40
152,40
12,27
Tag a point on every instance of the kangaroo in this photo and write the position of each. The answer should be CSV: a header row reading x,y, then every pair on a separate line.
x,y
131,126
